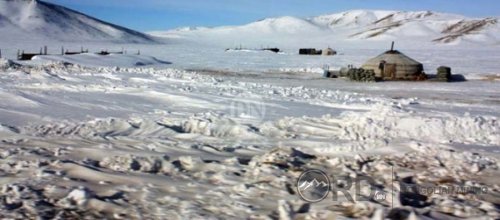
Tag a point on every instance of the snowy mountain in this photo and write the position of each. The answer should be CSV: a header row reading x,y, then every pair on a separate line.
x,y
421,27
37,20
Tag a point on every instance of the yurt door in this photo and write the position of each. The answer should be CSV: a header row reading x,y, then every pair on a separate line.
x,y
390,71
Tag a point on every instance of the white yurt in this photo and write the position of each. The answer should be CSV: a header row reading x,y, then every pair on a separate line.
x,y
394,65
328,52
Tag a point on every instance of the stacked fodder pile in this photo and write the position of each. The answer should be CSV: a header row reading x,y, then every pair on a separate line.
x,y
444,73
361,75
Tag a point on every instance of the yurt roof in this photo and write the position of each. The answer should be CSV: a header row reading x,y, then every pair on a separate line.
x,y
393,56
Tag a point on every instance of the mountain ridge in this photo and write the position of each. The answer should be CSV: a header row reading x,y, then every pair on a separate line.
x,y
34,20
426,27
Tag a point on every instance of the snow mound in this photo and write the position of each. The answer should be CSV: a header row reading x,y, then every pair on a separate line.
x,y
384,126
130,163
6,64
207,124
99,128
95,60
215,126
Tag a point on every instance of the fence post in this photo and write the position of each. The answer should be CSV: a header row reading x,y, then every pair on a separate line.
x,y
0,53
45,50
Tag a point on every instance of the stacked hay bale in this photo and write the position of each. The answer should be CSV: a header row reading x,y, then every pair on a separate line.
x,y
361,75
309,51
344,71
444,73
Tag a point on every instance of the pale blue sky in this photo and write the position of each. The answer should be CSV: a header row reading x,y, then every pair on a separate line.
x,y
147,15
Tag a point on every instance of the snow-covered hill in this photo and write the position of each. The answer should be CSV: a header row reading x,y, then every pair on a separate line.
x,y
32,20
410,28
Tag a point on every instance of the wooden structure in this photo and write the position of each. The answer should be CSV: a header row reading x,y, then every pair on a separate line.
x,y
309,51
272,49
106,52
26,56
276,50
21,55
443,73
67,52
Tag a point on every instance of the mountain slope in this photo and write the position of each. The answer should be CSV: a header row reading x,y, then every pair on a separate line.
x,y
38,20
420,27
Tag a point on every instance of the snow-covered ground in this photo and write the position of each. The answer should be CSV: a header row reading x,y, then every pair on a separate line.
x,y
158,142
473,63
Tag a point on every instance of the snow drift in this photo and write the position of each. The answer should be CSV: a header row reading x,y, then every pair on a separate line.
x,y
88,59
